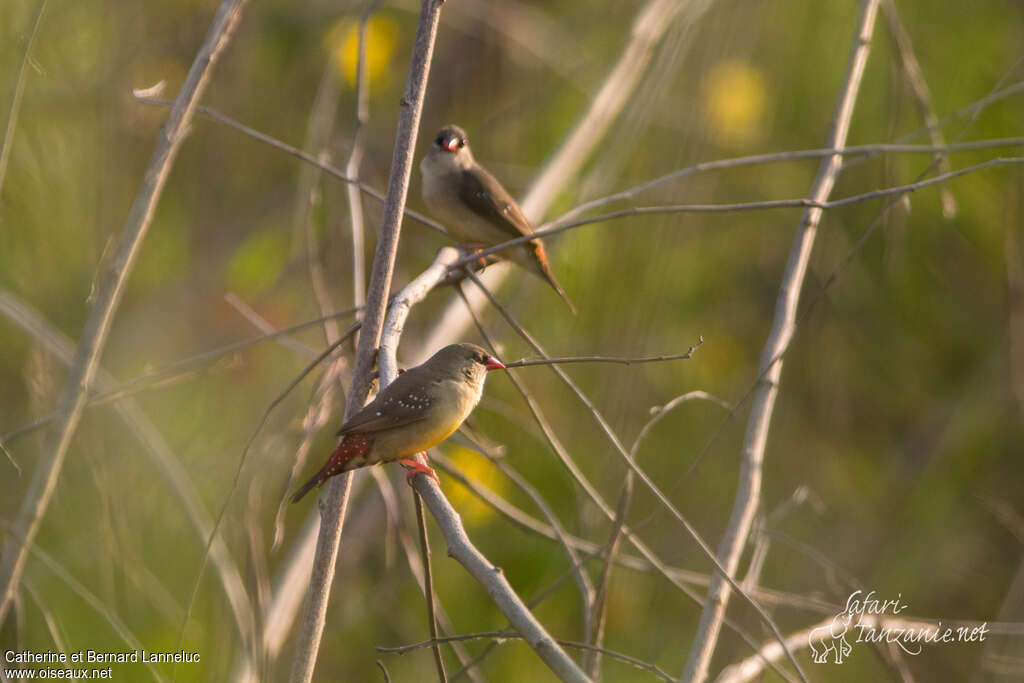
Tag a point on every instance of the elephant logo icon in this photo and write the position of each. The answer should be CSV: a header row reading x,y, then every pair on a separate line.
x,y
831,638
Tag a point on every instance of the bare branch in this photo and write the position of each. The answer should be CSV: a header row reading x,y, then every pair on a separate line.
x,y
582,578
332,515
654,19
165,376
492,578
261,324
390,497
605,359
749,487
752,668
812,204
19,91
114,276
157,448
355,160
649,27
506,635
298,153
241,465
428,589
922,96
631,463
621,510
675,575
90,598
459,545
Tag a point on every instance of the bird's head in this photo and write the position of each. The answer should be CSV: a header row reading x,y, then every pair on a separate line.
x,y
464,362
451,139
450,150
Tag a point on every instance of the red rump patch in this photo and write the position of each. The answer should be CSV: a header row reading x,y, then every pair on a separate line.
x,y
352,447
350,453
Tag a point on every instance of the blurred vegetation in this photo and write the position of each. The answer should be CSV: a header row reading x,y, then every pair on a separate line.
x,y
901,396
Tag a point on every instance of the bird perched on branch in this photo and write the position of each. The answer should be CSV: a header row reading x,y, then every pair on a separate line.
x,y
417,411
476,210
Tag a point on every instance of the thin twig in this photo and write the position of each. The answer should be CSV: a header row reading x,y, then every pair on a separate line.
x,y
511,635
922,96
261,324
428,589
461,549
647,481
88,597
752,464
865,151
51,623
652,22
621,510
295,152
974,110
460,546
241,465
320,124
289,589
752,668
600,613
390,497
592,492
10,457
19,91
812,204
332,515
112,280
167,375
355,158
675,575
310,197
582,578
605,359
258,563
166,462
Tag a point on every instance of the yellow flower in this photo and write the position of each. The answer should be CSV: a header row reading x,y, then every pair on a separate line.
x,y
733,99
343,42
476,468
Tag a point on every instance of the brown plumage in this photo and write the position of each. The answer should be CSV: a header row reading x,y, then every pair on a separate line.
x,y
475,208
417,411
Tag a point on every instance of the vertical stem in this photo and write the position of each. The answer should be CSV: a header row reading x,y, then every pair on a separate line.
x,y
333,510
749,488
112,278
652,22
19,90
428,589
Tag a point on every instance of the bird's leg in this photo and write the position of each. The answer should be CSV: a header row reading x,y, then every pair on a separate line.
x,y
474,247
414,467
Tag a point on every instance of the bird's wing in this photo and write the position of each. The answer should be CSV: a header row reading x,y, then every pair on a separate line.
x,y
403,402
485,196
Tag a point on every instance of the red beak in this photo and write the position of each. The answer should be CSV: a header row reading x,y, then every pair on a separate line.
x,y
494,364
451,144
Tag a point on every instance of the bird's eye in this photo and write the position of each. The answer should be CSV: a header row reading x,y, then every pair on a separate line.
x,y
439,141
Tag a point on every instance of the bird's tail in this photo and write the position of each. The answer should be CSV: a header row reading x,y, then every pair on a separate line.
x,y
350,454
543,268
306,488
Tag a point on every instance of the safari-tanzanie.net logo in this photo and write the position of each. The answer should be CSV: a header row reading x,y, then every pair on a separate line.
x,y
869,619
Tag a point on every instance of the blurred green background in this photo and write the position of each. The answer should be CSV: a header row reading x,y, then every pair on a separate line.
x,y
899,414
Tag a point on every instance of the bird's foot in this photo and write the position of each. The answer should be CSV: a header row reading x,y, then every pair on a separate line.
x,y
415,467
475,247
